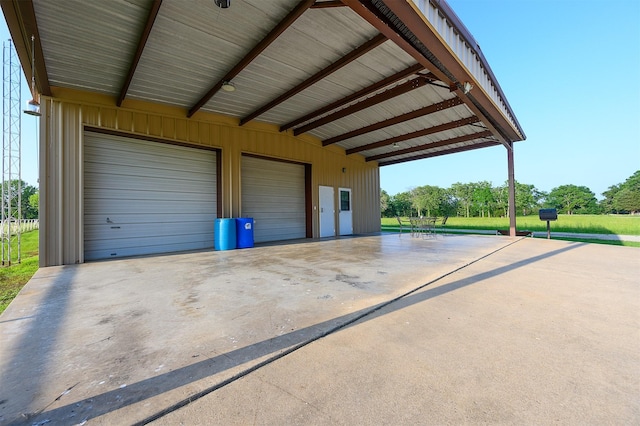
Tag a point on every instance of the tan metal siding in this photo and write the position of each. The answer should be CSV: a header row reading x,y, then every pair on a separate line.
x,y
60,180
61,168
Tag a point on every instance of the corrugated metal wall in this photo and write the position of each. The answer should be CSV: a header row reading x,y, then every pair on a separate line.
x,y
61,162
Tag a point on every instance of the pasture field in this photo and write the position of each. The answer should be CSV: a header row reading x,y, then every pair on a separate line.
x,y
585,224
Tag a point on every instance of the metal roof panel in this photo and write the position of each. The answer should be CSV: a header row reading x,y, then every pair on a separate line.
x,y
89,46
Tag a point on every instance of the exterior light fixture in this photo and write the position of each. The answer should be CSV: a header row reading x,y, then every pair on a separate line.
x,y
33,106
223,4
228,86
395,145
466,87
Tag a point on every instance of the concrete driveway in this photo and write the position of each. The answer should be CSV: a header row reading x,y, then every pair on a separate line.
x,y
367,330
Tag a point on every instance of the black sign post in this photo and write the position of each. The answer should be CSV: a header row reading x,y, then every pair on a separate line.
x,y
548,215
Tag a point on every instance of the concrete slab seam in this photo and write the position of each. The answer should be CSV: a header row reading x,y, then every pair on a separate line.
x,y
205,392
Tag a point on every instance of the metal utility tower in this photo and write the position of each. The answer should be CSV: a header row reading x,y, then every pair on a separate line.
x,y
10,229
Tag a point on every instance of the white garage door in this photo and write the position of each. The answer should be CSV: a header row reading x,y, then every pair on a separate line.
x,y
273,194
145,197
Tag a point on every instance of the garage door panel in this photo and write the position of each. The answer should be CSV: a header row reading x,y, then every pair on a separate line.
x,y
288,181
159,176
98,230
282,204
140,194
291,228
273,193
120,166
105,181
145,228
146,197
273,233
137,219
113,206
156,248
144,153
275,217
133,236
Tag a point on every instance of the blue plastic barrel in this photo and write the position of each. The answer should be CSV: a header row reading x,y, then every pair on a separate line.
x,y
224,234
244,232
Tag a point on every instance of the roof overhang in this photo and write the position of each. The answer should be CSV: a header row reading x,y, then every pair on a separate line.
x,y
392,80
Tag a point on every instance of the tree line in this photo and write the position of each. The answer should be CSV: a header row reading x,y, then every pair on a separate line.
x,y
482,199
29,200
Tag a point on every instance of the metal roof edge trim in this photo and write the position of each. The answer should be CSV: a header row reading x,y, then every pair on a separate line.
x,y
391,25
448,14
418,36
21,22
463,63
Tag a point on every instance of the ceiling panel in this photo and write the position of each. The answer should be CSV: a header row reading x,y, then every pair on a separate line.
x,y
193,44
287,62
91,45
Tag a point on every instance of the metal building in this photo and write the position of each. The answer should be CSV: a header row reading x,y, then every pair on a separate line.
x,y
158,116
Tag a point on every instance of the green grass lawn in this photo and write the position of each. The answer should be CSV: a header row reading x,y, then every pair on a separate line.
x,y
14,277
587,224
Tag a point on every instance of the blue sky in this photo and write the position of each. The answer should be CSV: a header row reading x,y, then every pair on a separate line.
x,y
570,70
29,138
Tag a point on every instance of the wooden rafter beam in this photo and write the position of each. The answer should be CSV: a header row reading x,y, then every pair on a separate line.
x,y
329,3
257,50
401,89
438,144
367,10
476,100
21,21
352,97
439,153
345,60
151,18
416,134
421,112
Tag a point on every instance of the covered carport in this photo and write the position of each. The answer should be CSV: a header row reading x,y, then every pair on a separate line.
x,y
338,88
372,329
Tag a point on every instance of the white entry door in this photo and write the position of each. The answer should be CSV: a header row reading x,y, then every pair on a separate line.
x,y
327,212
345,216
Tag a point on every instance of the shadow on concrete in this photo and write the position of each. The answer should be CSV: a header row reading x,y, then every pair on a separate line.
x,y
36,344
17,319
118,398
